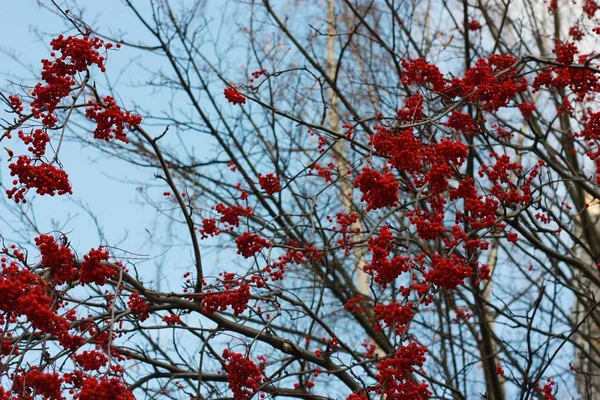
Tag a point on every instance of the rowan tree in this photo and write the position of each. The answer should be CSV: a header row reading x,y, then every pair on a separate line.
x,y
403,197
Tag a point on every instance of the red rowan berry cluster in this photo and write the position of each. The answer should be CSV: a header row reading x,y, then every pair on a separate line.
x,y
394,374
139,306
581,81
357,396
231,215
492,83
59,259
76,55
172,319
420,72
23,293
259,73
527,109
448,272
413,109
243,375
44,178
462,314
395,315
209,228
234,96
91,360
479,211
234,293
349,131
463,123
35,382
576,33
403,148
269,183
37,140
429,225
94,268
293,255
385,270
16,104
90,387
325,172
591,134
353,305
548,389
110,119
345,223
256,75
248,244
474,25
379,189
590,7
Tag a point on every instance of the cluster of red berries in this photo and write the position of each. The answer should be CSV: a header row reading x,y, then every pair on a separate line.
x,y
384,269
448,271
234,96
548,389
172,319
582,82
23,293
95,269
139,306
234,293
76,55
462,314
16,104
378,189
395,374
293,255
269,183
243,375
259,73
36,383
420,72
413,109
325,172
248,244
91,360
395,315
462,123
58,259
230,218
353,305
110,119
91,387
492,83
43,177
37,141
474,25
345,224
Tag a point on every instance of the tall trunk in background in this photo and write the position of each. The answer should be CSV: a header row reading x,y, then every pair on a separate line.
x,y
588,376
333,121
345,185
